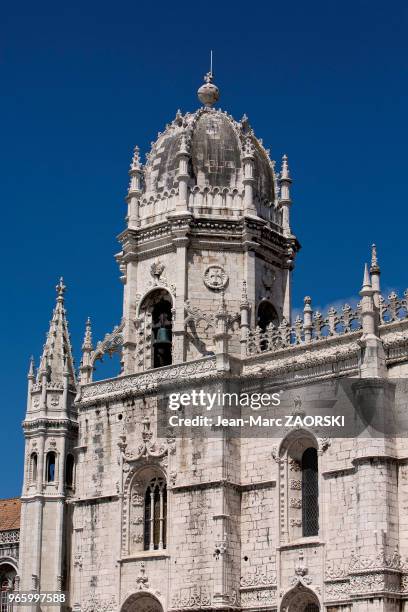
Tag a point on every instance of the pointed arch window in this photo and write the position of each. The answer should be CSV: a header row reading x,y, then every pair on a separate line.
x,y
155,513
50,466
310,492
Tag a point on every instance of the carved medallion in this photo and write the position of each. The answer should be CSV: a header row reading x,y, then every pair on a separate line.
x,y
215,278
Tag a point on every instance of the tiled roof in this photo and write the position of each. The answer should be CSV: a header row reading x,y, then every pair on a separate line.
x,y
10,513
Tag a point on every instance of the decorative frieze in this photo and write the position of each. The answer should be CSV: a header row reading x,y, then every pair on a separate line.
x,y
147,381
191,597
101,604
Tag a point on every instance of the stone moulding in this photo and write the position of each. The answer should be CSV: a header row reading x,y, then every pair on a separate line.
x,y
117,388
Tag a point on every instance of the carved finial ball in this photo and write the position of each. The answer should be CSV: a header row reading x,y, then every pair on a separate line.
x,y
208,93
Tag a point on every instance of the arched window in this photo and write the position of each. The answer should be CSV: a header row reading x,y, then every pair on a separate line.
x,y
69,471
266,315
155,512
50,467
155,335
4,589
310,493
33,467
7,578
162,333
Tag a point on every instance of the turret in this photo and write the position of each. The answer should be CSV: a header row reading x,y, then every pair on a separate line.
x,y
135,189
50,430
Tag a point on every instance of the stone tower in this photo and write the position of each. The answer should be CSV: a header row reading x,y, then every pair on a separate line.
x,y
50,430
208,223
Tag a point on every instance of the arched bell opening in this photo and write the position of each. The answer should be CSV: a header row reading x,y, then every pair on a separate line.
x,y
162,333
155,330
266,315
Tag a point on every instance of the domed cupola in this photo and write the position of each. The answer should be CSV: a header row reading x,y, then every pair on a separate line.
x,y
226,169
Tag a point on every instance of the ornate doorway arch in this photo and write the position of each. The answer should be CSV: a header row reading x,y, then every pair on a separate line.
x,y
300,599
142,602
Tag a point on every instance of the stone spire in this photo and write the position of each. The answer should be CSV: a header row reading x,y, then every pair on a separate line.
x,y
57,358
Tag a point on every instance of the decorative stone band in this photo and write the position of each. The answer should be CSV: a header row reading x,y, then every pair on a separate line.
x,y
44,423
117,388
10,537
375,583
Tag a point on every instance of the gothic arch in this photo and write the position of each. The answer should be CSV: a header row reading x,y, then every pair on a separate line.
x,y
291,441
145,297
142,602
299,599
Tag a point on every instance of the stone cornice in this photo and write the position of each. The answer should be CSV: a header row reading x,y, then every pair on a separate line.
x,y
145,382
46,424
208,231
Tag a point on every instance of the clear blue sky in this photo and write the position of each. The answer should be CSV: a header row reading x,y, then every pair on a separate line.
x,y
82,83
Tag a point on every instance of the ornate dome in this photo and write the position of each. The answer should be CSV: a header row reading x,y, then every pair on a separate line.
x,y
214,152
216,144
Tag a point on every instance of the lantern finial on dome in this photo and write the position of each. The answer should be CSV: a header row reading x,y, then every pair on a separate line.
x,y
209,93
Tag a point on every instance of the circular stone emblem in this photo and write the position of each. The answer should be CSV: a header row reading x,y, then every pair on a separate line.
x,y
215,278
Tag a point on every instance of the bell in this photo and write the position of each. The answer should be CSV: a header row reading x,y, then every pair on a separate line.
x,y
163,336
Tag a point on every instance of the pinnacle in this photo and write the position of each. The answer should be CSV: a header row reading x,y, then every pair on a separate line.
x,y
57,358
374,260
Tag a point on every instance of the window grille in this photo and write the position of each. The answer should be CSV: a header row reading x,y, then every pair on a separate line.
x,y
310,494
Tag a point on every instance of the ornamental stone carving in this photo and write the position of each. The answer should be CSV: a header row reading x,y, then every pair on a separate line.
x,y
95,602
215,278
195,596
258,579
259,597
